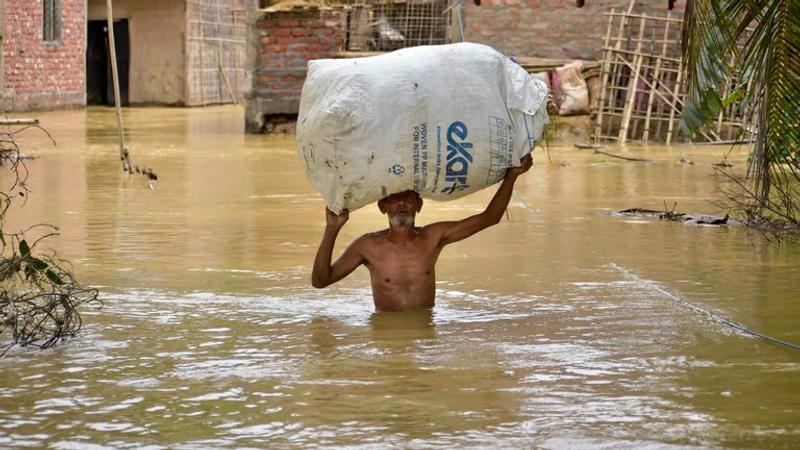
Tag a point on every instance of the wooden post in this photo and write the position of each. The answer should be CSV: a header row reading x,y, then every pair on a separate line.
x,y
127,165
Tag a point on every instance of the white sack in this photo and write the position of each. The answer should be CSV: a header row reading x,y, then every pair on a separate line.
x,y
575,93
443,120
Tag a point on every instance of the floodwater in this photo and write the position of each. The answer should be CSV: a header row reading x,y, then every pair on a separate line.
x,y
563,327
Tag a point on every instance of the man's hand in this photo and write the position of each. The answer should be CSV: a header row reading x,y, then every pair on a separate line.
x,y
336,221
524,165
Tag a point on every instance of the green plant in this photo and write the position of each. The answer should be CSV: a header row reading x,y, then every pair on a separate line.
x,y
39,295
758,44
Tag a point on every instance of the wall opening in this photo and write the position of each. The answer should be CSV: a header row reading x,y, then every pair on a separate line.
x,y
51,20
99,86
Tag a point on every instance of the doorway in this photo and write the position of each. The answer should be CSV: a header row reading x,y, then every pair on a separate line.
x,y
99,86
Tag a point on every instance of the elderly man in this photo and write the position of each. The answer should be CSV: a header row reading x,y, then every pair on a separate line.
x,y
402,259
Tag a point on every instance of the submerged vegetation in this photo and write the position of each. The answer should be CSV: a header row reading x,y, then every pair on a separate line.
x,y
755,45
39,295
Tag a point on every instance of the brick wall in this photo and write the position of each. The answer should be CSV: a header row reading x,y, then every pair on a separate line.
x,y
280,44
548,28
38,74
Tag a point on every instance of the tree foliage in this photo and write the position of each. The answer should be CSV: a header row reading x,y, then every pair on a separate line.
x,y
39,295
755,45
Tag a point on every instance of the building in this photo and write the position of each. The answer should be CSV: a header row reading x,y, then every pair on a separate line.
x,y
169,52
286,34
42,61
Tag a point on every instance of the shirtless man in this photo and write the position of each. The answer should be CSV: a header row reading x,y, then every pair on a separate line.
x,y
402,259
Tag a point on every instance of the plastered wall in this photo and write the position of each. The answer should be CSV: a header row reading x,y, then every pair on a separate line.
x,y
157,40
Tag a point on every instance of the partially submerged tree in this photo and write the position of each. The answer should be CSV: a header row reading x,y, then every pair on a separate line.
x,y
39,296
756,46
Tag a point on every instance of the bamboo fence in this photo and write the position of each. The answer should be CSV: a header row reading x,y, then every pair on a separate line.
x,y
643,83
215,50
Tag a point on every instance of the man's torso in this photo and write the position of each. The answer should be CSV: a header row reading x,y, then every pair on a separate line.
x,y
402,273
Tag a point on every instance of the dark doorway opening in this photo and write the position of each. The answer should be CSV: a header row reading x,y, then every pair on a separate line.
x,y
99,86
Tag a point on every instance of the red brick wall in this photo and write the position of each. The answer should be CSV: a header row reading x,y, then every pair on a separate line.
x,y
37,74
284,42
548,28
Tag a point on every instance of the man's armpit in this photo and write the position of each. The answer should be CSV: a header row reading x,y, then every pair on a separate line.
x,y
437,230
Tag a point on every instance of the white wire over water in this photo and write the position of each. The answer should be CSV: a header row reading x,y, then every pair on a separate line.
x,y
654,286
524,203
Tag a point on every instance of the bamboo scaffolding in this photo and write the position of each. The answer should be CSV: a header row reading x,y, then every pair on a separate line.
x,y
675,99
643,83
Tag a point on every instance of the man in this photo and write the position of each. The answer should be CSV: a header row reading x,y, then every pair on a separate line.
x,y
401,259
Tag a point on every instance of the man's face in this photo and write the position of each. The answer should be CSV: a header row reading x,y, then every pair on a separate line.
x,y
401,208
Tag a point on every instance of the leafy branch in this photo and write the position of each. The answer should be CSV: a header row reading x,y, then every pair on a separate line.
x,y
754,46
39,294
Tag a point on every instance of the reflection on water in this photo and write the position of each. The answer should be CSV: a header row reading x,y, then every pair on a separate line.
x,y
212,337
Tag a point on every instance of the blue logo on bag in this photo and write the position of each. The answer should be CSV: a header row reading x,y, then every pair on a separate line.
x,y
458,157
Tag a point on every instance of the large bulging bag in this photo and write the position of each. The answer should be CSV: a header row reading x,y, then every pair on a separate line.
x,y
443,120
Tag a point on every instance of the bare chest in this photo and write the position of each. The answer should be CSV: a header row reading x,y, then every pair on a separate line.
x,y
406,260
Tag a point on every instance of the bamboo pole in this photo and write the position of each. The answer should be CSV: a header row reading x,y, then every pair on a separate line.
x,y
623,24
460,17
603,81
632,87
630,52
630,14
644,56
202,63
124,155
676,91
656,75
219,60
16,122
237,74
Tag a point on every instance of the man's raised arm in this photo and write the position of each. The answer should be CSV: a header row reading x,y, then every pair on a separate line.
x,y
462,229
325,274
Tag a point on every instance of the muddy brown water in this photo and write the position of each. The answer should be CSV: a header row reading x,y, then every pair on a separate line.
x,y
562,327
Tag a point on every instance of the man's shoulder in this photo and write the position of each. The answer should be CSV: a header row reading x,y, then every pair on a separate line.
x,y
435,227
373,237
